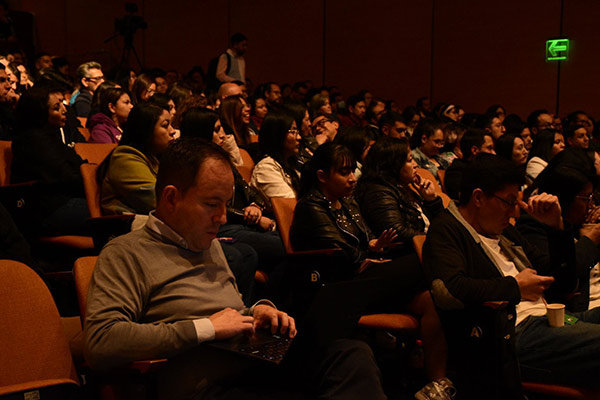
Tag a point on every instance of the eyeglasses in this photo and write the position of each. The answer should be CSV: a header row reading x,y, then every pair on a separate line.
x,y
511,204
293,131
96,78
586,198
321,123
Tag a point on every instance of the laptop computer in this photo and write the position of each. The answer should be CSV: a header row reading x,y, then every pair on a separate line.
x,y
333,314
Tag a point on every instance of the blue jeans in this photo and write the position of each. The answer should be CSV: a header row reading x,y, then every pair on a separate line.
x,y
242,260
268,245
565,355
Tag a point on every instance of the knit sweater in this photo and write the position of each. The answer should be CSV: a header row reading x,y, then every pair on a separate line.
x,y
145,293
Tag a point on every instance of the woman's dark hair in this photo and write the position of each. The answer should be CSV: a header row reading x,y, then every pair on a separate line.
x,y
543,143
198,122
97,98
252,102
564,181
180,92
426,127
493,109
140,85
355,138
161,100
297,110
385,159
108,95
273,132
139,128
316,102
328,156
514,125
582,160
32,108
230,114
409,112
504,146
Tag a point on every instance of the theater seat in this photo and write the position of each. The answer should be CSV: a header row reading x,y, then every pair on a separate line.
x,y
34,353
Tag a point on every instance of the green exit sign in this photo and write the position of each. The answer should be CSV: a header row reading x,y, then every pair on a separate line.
x,y
557,49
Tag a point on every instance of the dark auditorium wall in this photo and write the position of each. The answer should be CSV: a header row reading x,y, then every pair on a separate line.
x,y
471,52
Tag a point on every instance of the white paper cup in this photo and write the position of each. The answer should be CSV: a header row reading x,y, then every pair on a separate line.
x,y
556,315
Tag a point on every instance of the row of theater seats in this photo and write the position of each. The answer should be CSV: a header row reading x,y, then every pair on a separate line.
x,y
54,349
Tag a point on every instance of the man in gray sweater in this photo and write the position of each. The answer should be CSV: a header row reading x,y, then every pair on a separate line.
x,y
161,291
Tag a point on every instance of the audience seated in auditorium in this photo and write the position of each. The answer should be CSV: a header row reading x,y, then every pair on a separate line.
x,y
106,126
386,198
234,114
473,255
326,216
90,76
177,292
279,140
272,95
375,111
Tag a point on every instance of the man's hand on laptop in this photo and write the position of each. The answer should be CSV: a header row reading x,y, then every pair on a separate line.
x,y
229,322
265,316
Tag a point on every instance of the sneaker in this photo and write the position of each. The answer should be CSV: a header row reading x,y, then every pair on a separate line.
x,y
437,390
448,386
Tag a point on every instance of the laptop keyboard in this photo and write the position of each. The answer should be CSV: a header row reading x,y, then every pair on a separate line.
x,y
274,351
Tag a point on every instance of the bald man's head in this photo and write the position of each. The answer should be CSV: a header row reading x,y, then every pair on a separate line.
x,y
229,89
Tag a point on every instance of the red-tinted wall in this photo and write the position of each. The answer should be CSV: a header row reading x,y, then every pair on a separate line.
x,y
470,52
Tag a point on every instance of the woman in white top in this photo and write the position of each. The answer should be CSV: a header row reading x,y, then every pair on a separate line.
x,y
546,145
279,140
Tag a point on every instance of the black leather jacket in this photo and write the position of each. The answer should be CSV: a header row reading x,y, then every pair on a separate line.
x,y
315,227
385,205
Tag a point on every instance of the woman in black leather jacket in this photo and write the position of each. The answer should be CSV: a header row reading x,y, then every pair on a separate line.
x,y
385,196
326,216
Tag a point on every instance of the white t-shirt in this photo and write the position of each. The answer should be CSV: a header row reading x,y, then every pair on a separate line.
x,y
525,308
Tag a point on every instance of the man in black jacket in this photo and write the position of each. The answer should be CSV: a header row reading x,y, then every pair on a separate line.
x,y
489,283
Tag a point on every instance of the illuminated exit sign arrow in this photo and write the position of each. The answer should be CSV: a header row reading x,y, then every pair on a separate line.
x,y
557,49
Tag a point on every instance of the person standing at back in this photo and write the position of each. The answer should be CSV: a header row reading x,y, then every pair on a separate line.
x,y
232,66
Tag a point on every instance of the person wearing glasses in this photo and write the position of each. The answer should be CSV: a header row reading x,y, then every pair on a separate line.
x,y
90,77
142,89
279,140
571,176
393,125
540,120
489,284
